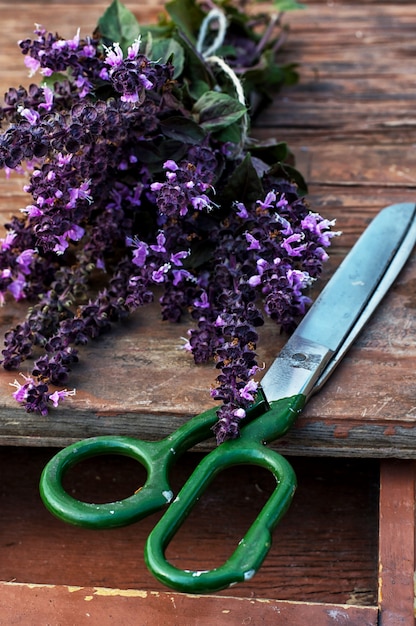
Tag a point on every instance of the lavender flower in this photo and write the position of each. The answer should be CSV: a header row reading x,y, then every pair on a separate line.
x,y
130,182
184,190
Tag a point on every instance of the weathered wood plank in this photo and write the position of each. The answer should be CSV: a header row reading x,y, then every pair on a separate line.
x,y
324,550
350,123
397,543
357,408
356,74
96,605
349,128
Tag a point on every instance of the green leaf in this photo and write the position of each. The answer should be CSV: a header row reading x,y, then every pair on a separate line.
x,y
118,24
288,5
163,50
156,151
197,74
201,253
244,184
187,16
182,129
215,111
270,151
290,173
56,77
232,133
197,88
269,75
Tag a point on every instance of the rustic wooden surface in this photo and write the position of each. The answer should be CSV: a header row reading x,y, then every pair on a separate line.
x,y
350,122
97,606
396,563
323,558
324,567
332,559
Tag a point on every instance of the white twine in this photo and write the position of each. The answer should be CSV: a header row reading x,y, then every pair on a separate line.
x,y
214,15
232,75
208,54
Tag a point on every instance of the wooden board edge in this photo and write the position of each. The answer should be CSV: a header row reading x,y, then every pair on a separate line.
x,y
58,604
397,542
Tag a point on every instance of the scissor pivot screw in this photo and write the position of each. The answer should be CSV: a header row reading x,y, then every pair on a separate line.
x,y
299,356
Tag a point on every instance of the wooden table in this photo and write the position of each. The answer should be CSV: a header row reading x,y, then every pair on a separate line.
x,y
345,552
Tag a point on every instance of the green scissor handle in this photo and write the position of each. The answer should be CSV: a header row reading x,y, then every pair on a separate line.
x,y
251,551
157,458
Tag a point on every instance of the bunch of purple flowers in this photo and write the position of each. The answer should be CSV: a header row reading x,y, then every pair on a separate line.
x,y
136,172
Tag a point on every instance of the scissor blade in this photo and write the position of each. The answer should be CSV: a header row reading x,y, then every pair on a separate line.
x,y
345,304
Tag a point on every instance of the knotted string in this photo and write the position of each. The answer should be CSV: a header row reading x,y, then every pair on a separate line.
x,y
214,15
208,52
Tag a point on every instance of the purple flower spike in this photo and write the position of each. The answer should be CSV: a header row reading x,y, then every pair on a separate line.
x,y
136,189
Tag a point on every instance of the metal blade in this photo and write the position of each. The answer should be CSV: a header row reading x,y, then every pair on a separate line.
x,y
344,305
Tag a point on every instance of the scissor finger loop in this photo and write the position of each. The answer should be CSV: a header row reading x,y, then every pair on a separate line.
x,y
254,546
152,496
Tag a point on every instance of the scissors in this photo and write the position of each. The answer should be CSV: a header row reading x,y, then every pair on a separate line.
x,y
302,367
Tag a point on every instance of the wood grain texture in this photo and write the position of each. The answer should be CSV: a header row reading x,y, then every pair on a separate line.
x,y
397,543
324,550
95,606
349,122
